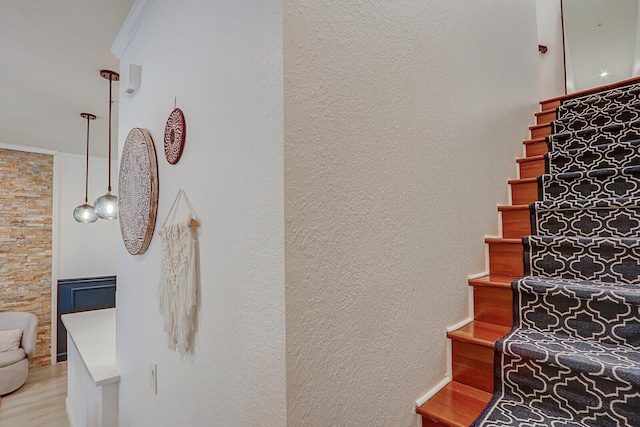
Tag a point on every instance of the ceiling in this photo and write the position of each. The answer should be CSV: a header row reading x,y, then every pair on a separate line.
x,y
51,54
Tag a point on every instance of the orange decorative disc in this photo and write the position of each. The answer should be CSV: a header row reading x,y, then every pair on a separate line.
x,y
175,133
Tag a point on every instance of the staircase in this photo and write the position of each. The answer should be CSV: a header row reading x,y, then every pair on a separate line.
x,y
582,171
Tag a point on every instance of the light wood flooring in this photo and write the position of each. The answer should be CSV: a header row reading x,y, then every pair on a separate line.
x,y
40,401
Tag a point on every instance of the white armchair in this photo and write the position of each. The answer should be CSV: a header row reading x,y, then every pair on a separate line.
x,y
14,364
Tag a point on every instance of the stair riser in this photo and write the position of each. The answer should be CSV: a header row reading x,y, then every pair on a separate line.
x,y
473,365
493,305
536,148
549,105
540,131
531,169
515,224
545,117
506,259
524,193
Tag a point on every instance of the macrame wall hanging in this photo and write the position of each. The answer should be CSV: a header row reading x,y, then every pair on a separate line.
x,y
178,290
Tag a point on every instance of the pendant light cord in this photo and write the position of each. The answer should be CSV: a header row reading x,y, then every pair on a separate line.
x,y
110,102
86,173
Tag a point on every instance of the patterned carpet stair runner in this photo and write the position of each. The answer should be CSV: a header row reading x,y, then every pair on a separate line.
x,y
607,156
589,218
573,355
597,118
581,106
609,134
597,183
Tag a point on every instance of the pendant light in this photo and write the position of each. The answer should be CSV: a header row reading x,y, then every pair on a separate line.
x,y
85,212
106,207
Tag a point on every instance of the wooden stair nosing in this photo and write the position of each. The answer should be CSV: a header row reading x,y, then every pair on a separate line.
x,y
503,208
502,240
522,181
535,158
493,281
542,126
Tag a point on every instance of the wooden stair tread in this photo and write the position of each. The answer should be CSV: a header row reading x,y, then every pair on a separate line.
x,y
455,405
513,208
493,281
480,333
530,158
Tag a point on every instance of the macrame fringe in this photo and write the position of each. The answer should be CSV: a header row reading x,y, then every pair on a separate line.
x,y
178,290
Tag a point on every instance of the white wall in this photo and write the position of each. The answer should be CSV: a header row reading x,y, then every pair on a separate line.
x,y
551,64
402,123
223,62
83,250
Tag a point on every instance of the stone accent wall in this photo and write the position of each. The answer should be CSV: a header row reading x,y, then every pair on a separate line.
x,y
26,204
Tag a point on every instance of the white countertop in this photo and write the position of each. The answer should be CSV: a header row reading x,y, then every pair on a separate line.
x,y
94,335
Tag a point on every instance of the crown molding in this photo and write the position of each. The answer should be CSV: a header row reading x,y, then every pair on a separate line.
x,y
130,26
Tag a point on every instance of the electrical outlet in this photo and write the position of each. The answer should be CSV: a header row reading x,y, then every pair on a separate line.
x,y
153,377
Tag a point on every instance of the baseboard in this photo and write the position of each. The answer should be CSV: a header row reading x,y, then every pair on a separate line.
x,y
478,275
460,324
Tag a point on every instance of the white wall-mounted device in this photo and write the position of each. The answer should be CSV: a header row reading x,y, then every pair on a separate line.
x,y
135,80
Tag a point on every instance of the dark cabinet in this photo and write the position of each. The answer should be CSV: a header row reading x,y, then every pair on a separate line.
x,y
83,294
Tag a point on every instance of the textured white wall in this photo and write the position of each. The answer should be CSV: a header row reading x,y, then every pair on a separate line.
x,y
550,35
223,62
402,123
84,250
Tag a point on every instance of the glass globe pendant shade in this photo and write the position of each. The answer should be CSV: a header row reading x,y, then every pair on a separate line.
x,y
85,214
106,207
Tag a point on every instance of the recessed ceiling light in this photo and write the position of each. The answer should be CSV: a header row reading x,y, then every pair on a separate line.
x,y
604,74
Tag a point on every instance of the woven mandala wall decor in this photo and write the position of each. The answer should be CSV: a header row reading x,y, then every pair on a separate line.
x,y
138,191
175,133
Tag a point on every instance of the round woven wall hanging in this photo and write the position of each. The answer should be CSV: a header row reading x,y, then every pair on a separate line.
x,y
175,133
138,191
